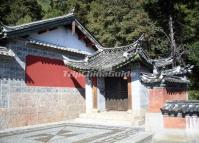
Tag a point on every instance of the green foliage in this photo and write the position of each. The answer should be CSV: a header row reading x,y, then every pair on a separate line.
x,y
45,4
186,27
119,23
194,54
18,11
193,94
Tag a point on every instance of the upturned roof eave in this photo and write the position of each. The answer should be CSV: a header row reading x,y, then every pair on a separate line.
x,y
135,58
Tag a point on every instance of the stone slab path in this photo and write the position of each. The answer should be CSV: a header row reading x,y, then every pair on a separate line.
x,y
77,133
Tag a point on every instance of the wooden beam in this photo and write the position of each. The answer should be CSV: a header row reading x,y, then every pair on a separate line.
x,y
129,93
73,27
42,31
94,81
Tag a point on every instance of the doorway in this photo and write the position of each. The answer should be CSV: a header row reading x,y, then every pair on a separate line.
x,y
116,93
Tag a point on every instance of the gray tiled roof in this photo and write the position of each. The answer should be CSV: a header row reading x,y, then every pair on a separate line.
x,y
37,23
110,59
21,30
176,79
181,108
10,31
54,46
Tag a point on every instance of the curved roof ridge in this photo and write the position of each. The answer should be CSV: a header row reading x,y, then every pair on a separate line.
x,y
103,49
37,22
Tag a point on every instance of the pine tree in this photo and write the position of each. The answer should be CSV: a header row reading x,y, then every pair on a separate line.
x,y
14,12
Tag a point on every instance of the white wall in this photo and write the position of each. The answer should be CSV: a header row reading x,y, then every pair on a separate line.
x,y
139,91
101,101
63,37
89,95
153,122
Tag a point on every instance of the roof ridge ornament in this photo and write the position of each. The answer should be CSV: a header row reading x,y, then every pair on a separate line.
x,y
86,59
175,75
72,11
141,37
7,52
126,54
3,29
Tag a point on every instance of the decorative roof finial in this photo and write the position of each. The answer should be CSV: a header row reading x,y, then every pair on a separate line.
x,y
72,11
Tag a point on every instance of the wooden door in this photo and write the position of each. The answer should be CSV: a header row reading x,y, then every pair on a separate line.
x,y
116,94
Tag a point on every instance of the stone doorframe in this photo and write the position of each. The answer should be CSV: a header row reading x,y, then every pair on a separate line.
x,y
95,94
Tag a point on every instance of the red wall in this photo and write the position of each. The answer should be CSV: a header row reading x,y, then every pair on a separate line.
x,y
174,122
42,71
158,97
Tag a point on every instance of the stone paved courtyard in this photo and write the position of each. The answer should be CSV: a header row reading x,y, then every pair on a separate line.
x,y
76,133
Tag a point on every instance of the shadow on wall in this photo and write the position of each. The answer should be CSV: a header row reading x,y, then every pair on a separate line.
x,y
176,88
10,69
75,81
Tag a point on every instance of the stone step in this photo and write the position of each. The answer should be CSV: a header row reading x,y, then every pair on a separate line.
x,y
109,122
118,116
110,118
106,117
103,122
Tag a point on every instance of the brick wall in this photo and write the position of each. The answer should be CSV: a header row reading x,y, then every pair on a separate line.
x,y
22,105
158,96
157,99
174,122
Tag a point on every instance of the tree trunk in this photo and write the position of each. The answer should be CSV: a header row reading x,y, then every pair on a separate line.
x,y
173,43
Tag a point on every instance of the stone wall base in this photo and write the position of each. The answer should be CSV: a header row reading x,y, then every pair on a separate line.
x,y
153,122
37,108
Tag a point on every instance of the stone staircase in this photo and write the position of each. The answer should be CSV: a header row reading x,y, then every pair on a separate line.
x,y
112,118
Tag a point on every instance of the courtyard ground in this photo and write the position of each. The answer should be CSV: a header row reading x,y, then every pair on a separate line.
x,y
75,133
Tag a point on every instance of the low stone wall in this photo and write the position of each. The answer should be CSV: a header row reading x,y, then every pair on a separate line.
x,y
36,105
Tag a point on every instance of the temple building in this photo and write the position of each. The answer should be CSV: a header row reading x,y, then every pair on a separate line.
x,y
54,70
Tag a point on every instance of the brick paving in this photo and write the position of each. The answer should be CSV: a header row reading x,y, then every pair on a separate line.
x,y
76,133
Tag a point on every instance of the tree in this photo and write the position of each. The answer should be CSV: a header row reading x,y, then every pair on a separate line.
x,y
179,19
120,22
14,12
